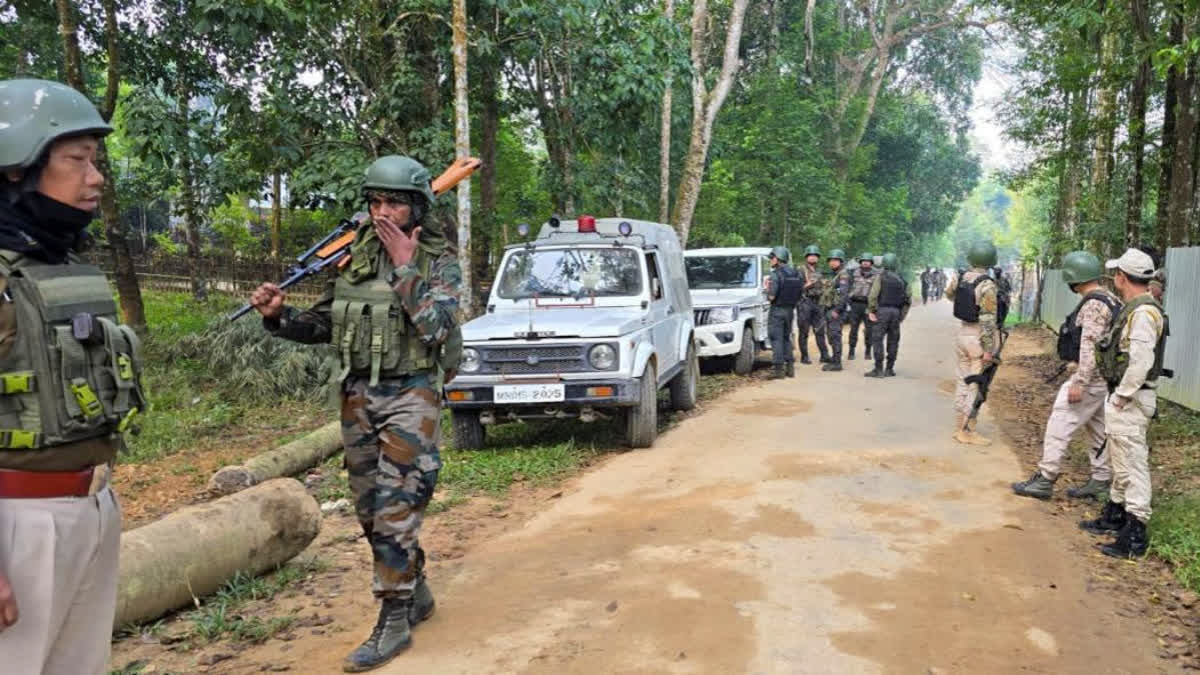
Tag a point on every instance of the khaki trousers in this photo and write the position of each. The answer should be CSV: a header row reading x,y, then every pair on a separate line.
x,y
970,362
60,556
1126,429
1065,419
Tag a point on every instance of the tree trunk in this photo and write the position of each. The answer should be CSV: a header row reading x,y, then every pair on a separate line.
x,y
664,146
1178,210
462,149
286,460
489,133
187,191
194,551
705,106
1139,10
1106,101
1166,153
773,38
276,212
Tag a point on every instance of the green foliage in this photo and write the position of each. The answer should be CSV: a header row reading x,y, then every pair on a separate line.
x,y
1175,536
230,223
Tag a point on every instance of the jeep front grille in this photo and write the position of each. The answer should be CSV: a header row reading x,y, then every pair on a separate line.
x,y
530,360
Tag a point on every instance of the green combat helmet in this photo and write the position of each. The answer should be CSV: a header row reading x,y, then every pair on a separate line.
x,y
890,262
394,172
35,113
982,254
812,250
782,254
838,254
1080,266
866,256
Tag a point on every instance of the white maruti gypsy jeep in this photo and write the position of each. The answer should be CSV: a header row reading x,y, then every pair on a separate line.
x,y
730,303
589,320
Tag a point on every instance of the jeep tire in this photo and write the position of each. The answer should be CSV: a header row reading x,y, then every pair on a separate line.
x,y
744,361
685,384
641,420
469,433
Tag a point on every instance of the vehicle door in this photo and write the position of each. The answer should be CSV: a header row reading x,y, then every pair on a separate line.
x,y
664,320
762,305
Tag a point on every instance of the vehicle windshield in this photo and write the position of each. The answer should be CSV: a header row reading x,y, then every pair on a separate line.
x,y
571,273
721,271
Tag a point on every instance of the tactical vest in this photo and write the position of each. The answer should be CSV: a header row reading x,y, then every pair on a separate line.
x,y
814,291
829,296
791,286
892,291
73,372
1113,362
1070,335
372,334
861,286
965,307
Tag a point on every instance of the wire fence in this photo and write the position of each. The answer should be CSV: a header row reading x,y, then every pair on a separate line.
x,y
220,275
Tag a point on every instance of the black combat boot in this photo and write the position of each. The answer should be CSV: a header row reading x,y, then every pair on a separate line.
x,y
875,372
825,359
1093,489
1132,541
777,372
834,366
850,356
422,603
1038,486
790,369
890,371
391,636
1112,519
805,360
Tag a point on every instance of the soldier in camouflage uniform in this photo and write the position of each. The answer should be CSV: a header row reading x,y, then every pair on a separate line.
x,y
974,296
835,298
887,305
783,290
860,287
1080,401
1003,295
808,310
391,317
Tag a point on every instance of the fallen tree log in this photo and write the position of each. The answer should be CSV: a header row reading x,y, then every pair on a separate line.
x,y
286,460
194,551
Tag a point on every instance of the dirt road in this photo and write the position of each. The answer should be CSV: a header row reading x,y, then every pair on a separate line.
x,y
825,524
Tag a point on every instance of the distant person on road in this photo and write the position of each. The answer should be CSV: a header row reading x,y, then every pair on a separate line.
x,y
1080,401
860,288
939,283
887,306
973,293
926,284
402,286
834,299
808,310
1003,295
784,288
1131,361
71,385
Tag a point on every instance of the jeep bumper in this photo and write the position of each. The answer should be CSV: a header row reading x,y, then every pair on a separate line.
x,y
719,339
611,393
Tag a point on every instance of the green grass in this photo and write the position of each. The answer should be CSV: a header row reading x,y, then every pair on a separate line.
x,y
219,616
1175,536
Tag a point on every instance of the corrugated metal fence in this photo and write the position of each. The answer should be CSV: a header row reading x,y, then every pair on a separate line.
x,y
1183,307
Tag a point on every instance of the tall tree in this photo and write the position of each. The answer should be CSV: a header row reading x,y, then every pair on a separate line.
x,y
462,149
664,146
1140,17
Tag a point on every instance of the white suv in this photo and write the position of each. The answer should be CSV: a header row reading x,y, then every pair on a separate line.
x,y
730,303
589,321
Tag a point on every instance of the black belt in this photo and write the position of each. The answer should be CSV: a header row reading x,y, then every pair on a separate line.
x,y
892,306
862,299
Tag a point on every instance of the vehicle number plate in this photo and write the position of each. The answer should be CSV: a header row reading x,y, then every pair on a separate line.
x,y
529,393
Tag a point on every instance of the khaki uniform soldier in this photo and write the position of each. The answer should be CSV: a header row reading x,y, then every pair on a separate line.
x,y
61,418
1131,361
1080,401
784,288
860,286
887,306
835,297
391,317
808,310
974,296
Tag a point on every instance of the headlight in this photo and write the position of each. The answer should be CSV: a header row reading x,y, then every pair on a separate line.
x,y
723,314
602,357
470,361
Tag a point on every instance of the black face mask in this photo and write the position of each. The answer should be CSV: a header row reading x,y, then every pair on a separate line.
x,y
42,227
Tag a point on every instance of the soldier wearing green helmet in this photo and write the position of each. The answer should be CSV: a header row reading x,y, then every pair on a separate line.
x,y
391,314
1080,401
887,306
974,295
835,297
784,287
808,311
860,288
62,425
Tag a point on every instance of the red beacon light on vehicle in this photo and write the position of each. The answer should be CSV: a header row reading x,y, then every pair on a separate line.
x,y
587,224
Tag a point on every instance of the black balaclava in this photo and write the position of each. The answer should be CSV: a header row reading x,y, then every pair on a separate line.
x,y
36,225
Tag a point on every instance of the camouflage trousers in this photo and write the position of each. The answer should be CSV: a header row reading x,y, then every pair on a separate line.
x,y
810,315
391,433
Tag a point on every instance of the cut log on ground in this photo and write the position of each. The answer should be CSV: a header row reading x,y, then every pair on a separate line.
x,y
286,460
194,551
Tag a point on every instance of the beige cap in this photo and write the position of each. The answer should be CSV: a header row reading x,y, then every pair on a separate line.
x,y
1134,263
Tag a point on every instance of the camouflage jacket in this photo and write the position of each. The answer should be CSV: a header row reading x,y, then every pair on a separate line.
x,y
835,291
1094,318
813,281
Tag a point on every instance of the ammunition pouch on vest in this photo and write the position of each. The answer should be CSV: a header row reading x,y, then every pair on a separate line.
x,y
965,307
1112,362
791,286
1070,335
813,292
892,291
73,372
830,289
372,334
860,286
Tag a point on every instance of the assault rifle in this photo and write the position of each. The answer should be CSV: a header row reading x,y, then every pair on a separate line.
x,y
334,249
984,380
